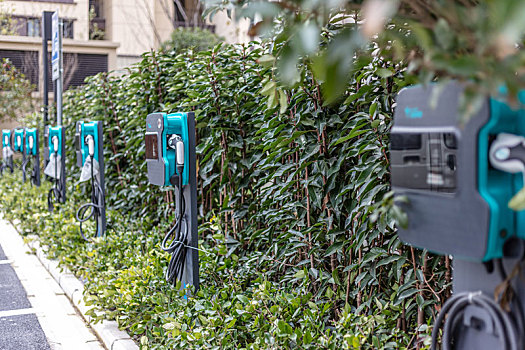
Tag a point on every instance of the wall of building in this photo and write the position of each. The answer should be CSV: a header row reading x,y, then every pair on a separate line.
x,y
233,32
77,10
137,26
81,48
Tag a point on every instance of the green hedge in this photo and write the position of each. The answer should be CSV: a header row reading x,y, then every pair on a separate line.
x,y
298,246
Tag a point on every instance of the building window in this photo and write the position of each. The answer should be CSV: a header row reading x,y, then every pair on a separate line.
x,y
33,26
25,61
77,67
68,28
96,6
97,23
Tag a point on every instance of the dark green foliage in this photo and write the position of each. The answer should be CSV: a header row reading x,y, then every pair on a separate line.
x,y
15,92
478,42
297,224
198,39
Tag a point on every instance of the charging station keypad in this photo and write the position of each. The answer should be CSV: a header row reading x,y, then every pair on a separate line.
x,y
424,161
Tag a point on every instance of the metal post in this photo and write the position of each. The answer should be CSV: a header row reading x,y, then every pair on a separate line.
x,y
60,80
57,70
46,36
191,275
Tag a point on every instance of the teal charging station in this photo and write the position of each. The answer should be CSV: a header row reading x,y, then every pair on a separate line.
x,y
18,144
7,150
160,172
33,152
90,158
56,146
441,164
85,129
56,140
171,161
19,147
31,143
459,176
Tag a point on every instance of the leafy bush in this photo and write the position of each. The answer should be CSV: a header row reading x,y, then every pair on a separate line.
x,y
298,247
198,39
479,43
15,92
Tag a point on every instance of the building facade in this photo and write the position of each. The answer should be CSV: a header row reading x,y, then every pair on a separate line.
x,y
102,35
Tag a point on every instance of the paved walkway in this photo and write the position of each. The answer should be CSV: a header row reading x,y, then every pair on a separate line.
x,y
35,313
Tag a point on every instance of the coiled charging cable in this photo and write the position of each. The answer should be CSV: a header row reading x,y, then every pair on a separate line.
x,y
24,165
97,197
56,190
505,326
26,161
178,236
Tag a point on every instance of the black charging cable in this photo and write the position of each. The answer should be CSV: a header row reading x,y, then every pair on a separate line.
x,y
508,326
55,193
92,209
10,164
23,167
34,172
177,236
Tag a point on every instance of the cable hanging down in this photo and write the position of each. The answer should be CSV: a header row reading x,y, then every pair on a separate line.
x,y
177,238
55,191
176,235
23,166
96,204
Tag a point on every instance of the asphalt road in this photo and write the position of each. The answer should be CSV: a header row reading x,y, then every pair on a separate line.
x,y
19,326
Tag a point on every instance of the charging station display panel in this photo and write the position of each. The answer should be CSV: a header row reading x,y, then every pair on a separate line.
x,y
424,161
152,148
434,164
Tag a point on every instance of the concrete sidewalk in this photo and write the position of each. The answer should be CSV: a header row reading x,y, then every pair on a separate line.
x,y
34,311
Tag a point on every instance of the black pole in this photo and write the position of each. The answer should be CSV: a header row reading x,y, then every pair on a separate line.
x,y
45,77
46,36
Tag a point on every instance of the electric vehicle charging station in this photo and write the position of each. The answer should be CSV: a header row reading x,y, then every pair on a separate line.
x,y
19,147
458,178
33,152
90,158
7,150
171,161
55,167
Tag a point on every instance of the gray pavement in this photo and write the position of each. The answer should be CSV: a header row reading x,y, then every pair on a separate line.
x,y
18,330
22,332
12,293
35,313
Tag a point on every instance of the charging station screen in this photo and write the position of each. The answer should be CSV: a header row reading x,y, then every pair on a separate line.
x,y
152,146
424,161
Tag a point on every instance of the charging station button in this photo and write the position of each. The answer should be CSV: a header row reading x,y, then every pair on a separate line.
x,y
450,140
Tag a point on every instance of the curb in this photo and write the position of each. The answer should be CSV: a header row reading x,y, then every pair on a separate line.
x,y
107,331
